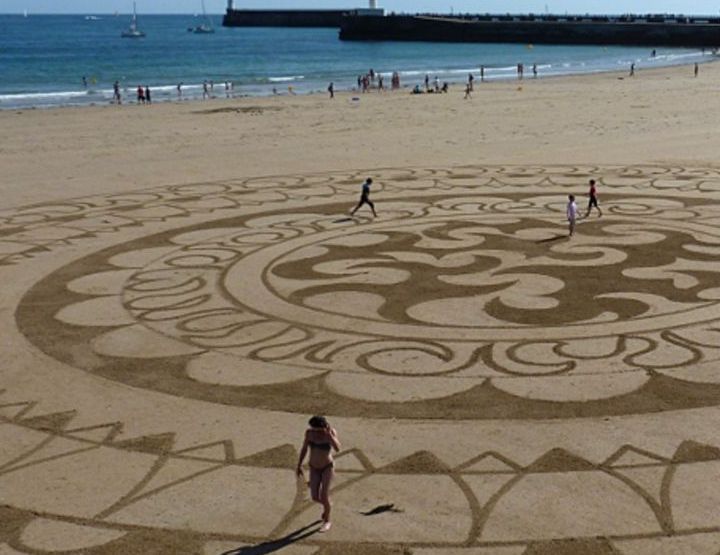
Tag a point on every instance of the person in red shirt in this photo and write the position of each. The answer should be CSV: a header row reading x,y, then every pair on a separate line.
x,y
592,194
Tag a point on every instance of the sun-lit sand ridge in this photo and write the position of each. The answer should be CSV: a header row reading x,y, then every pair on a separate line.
x,y
183,287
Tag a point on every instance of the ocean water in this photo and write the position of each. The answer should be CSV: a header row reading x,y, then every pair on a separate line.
x,y
44,57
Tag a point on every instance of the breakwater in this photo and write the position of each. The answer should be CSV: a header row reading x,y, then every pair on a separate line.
x,y
651,31
282,18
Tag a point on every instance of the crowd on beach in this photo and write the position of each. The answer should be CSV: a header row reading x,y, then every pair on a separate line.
x,y
365,83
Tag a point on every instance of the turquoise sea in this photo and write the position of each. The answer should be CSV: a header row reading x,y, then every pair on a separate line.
x,y
43,59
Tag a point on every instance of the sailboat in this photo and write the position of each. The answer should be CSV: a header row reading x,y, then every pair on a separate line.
x,y
132,32
207,26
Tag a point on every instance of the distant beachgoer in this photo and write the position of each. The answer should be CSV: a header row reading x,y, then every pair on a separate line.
x,y
468,90
592,199
275,90
84,81
437,84
116,93
416,90
206,93
212,85
427,82
381,87
371,73
140,95
653,53
696,69
365,197
632,69
444,88
179,90
148,98
571,214
520,71
534,71
482,73
471,79
359,82
291,90
331,90
320,439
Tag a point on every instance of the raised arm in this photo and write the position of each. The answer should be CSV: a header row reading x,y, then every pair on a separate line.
x,y
334,441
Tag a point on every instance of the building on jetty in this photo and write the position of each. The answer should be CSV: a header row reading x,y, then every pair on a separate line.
x,y
292,18
630,30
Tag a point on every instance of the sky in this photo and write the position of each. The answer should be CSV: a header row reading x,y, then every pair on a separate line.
x,y
445,6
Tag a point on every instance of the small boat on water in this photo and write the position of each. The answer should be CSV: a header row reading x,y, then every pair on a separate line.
x,y
132,32
204,28
92,18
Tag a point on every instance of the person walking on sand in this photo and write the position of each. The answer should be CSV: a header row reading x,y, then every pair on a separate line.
x,y
320,439
468,90
331,90
148,98
696,69
116,93
592,199
365,197
632,69
571,214
140,95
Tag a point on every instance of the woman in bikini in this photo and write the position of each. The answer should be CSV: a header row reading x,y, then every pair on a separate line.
x,y
321,439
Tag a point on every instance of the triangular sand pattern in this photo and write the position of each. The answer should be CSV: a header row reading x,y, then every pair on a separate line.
x,y
589,546
353,460
420,462
484,486
220,451
55,422
697,544
175,471
53,448
489,463
284,456
692,451
628,455
16,410
559,460
647,478
156,444
101,433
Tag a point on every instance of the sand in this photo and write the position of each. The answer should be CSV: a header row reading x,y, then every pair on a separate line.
x,y
662,115
183,287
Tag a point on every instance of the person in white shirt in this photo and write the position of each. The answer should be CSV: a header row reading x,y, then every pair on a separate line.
x,y
572,210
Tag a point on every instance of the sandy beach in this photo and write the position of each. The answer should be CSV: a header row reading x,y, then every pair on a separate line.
x,y
661,115
183,287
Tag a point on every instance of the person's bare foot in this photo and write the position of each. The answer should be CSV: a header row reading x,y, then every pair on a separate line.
x,y
325,527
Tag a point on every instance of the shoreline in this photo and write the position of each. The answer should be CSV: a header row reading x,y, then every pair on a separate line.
x,y
129,92
661,115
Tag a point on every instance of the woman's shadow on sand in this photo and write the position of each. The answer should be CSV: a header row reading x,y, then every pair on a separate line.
x,y
276,545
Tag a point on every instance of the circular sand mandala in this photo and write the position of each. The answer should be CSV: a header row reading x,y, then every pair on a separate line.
x,y
463,300
444,333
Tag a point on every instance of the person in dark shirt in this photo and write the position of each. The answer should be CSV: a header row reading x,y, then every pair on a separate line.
x,y
365,197
592,194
